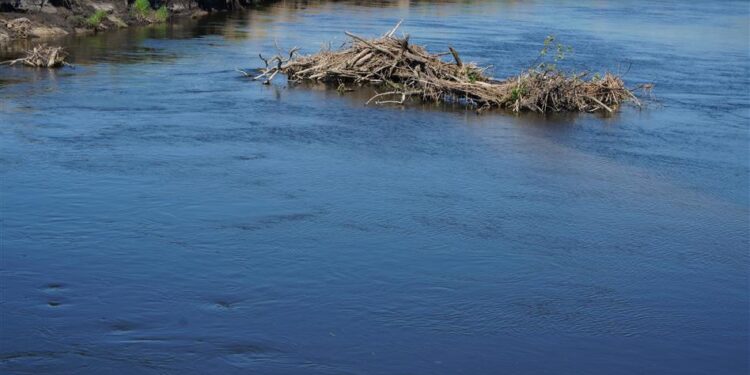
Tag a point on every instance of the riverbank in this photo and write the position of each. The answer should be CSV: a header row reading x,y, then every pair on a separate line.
x,y
46,19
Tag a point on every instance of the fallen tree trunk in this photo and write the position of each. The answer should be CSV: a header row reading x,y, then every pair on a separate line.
x,y
409,71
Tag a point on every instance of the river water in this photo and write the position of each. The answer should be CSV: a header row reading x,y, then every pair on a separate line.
x,y
163,215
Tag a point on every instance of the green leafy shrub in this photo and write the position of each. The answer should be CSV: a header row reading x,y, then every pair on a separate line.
x,y
560,53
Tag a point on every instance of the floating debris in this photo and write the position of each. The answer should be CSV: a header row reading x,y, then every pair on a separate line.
x,y
407,71
42,56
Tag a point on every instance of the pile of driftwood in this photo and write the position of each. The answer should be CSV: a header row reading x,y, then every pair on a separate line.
x,y
407,71
42,56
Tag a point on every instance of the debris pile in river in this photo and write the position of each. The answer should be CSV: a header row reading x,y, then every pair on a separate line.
x,y
407,71
42,56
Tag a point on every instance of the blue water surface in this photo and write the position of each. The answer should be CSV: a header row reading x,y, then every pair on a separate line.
x,y
163,215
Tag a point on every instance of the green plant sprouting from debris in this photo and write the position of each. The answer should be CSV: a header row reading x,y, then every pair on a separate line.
x,y
516,93
473,76
560,52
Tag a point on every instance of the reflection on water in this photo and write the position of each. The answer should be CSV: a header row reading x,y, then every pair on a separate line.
x,y
162,214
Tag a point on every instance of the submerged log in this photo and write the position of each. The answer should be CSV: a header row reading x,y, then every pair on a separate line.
x,y
409,71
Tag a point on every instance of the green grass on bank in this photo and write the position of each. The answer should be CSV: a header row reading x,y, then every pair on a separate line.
x,y
142,10
96,19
